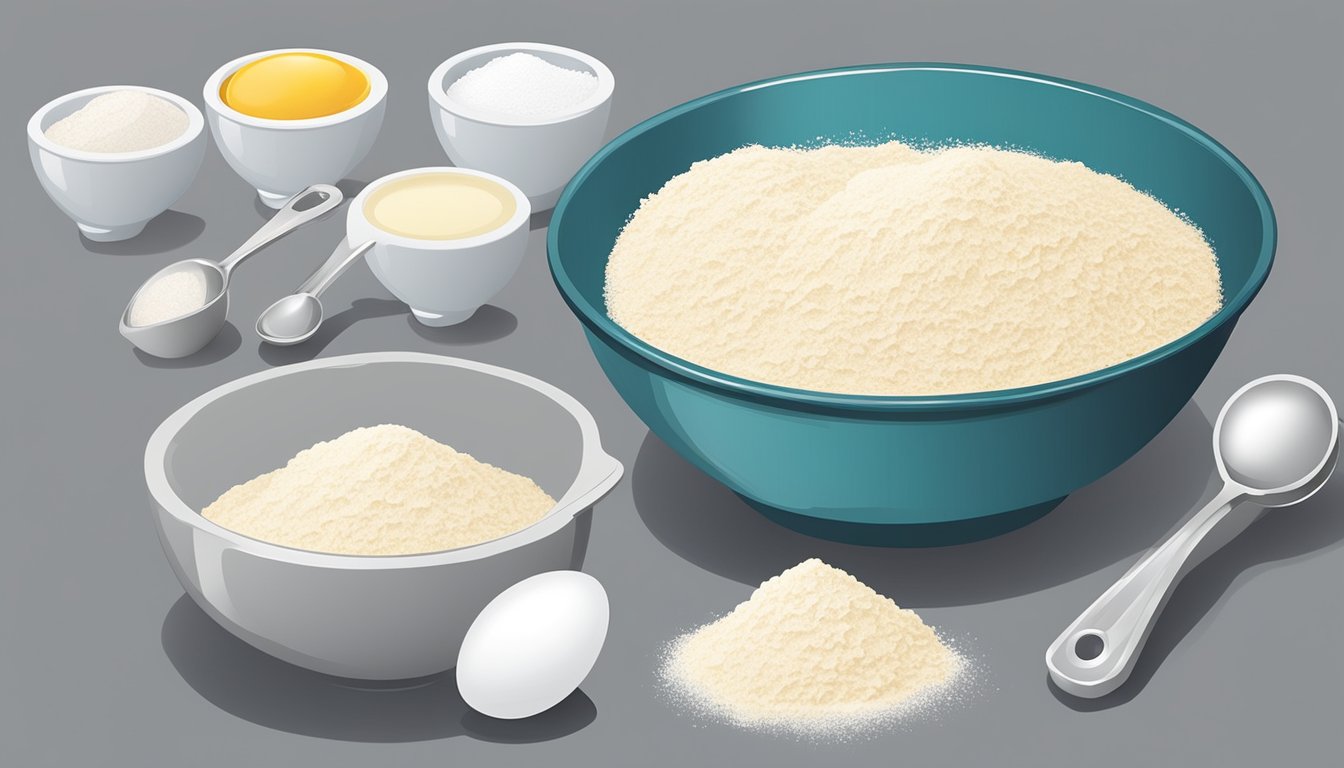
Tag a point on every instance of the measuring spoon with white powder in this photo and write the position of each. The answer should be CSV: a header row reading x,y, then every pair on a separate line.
x,y
180,308
1276,442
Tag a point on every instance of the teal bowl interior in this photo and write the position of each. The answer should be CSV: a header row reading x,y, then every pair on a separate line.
x,y
912,470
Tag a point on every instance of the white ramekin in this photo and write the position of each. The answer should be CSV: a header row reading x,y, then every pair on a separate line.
x,y
112,195
443,281
539,155
281,157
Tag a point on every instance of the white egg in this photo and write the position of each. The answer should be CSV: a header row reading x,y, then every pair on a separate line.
x,y
533,644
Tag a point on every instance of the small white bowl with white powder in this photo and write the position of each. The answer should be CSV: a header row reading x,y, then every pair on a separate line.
x,y
529,112
115,156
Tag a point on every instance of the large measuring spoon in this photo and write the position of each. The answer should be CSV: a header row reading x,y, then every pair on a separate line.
x,y
190,332
1276,442
296,317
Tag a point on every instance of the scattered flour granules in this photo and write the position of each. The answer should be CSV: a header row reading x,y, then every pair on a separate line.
x,y
813,650
384,490
168,296
120,121
525,86
884,270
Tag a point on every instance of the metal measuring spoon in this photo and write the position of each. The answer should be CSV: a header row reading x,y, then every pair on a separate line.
x,y
182,335
296,317
1276,442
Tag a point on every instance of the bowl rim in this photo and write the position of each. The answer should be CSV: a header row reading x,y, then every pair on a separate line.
x,y
438,91
377,92
37,135
597,474
522,212
597,322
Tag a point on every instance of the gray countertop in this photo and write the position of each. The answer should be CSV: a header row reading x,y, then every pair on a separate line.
x,y
105,662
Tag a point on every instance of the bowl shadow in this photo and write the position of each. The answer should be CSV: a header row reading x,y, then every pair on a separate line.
x,y
490,323
332,326
224,344
540,219
168,231
1110,520
261,689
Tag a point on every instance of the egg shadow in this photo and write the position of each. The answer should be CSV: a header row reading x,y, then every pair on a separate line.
x,y
1281,535
224,344
168,231
490,323
1111,520
261,689
332,326
573,714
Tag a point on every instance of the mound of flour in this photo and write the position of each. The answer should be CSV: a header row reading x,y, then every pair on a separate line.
x,y
815,651
384,490
887,270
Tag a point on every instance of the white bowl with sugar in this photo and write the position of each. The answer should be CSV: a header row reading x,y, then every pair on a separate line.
x,y
115,156
529,112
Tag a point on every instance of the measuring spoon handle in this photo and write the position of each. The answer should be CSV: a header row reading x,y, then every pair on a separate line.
x,y
339,260
1096,653
312,203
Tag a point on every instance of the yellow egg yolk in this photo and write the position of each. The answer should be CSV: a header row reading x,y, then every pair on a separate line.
x,y
294,86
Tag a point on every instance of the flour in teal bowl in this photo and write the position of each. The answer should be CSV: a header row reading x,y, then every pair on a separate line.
x,y
887,270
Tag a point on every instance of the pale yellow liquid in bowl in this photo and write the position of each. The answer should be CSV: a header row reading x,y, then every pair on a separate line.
x,y
440,206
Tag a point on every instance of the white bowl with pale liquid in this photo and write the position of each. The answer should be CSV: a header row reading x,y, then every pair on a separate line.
x,y
446,240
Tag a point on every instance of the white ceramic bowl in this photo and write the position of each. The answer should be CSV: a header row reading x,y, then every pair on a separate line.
x,y
539,156
281,157
443,281
112,195
370,617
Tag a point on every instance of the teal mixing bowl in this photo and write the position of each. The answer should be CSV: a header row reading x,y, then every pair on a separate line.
x,y
912,470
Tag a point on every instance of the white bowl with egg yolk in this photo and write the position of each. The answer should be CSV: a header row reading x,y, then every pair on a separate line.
x,y
281,157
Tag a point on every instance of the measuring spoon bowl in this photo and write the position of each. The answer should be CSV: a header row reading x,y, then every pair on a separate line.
x,y
296,317
291,320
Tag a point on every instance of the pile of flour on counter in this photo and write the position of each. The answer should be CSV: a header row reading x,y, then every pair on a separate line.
x,y
813,651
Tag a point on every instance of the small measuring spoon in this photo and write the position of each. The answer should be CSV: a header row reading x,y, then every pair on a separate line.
x,y
296,317
1276,442
185,334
